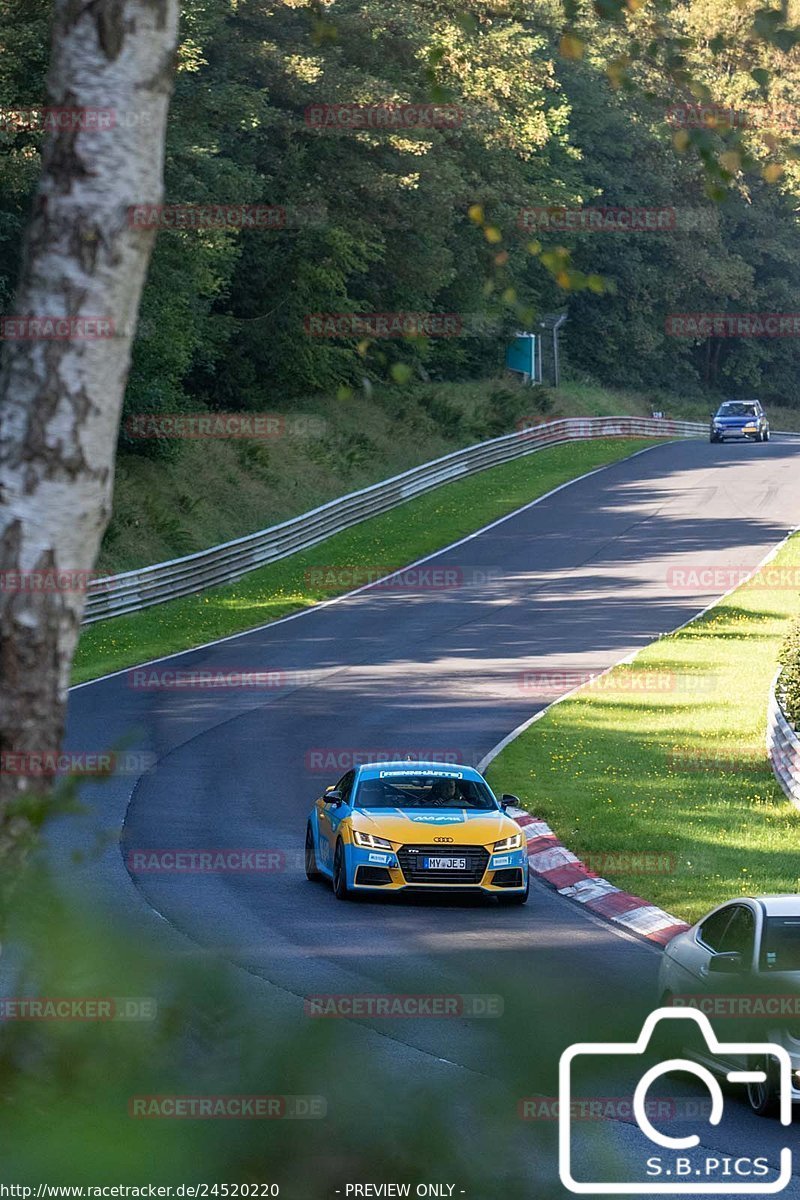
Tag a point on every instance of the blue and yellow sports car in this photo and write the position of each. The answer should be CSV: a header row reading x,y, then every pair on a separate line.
x,y
403,826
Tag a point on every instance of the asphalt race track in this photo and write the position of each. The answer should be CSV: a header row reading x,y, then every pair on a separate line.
x,y
575,582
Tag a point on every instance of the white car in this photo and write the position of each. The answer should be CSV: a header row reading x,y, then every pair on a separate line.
x,y
740,965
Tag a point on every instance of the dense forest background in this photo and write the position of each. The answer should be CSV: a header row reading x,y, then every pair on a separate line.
x,y
427,219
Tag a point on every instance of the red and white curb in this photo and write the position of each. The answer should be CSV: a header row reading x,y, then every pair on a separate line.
x,y
555,865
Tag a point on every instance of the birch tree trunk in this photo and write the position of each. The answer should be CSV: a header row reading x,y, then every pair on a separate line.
x,y
60,397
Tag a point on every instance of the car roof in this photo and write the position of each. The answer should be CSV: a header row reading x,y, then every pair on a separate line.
x,y
781,906
418,767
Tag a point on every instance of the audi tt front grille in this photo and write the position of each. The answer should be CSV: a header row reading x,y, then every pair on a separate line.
x,y
411,859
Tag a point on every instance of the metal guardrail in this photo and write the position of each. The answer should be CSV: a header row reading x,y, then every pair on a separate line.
x,y
130,591
783,746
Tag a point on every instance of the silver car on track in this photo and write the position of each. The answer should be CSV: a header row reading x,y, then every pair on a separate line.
x,y
740,965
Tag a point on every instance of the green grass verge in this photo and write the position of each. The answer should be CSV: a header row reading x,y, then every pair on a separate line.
x,y
666,756
391,540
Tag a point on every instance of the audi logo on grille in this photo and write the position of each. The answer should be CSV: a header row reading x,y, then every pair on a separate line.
x,y
443,839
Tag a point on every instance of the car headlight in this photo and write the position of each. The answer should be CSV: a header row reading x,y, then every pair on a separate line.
x,y
370,841
514,842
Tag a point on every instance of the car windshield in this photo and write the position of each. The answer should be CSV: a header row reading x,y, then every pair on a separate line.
x,y
405,790
780,947
736,408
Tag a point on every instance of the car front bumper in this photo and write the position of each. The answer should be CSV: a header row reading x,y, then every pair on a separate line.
x,y
748,432
389,871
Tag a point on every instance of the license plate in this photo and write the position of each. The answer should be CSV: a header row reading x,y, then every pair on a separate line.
x,y
444,864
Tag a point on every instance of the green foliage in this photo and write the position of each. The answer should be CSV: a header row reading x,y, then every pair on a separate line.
x,y
505,408
557,108
790,675
205,1027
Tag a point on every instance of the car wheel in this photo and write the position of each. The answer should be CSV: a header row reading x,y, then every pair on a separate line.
x,y
516,897
340,888
764,1098
312,871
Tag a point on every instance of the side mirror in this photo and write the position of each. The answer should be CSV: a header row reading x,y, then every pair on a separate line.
x,y
729,963
332,796
507,800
